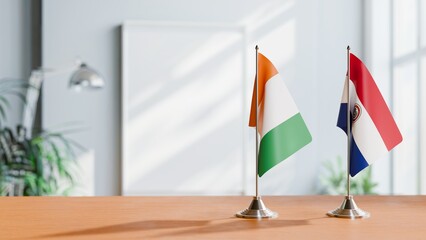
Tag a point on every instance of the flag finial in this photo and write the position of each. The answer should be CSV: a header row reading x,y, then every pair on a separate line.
x,y
257,47
348,48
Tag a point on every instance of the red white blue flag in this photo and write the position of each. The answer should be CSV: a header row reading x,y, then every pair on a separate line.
x,y
374,131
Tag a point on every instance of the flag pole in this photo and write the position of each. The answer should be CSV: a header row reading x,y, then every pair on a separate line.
x,y
257,132
348,209
348,123
257,208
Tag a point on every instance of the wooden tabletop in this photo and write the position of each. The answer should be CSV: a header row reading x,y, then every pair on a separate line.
x,y
300,217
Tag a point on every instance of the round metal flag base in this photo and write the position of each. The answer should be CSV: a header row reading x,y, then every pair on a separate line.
x,y
348,209
257,209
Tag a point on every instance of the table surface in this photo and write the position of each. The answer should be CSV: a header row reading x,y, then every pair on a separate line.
x,y
300,217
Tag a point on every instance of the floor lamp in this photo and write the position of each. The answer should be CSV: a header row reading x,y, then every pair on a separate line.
x,y
82,77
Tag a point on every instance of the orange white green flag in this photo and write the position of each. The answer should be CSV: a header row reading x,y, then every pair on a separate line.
x,y
281,128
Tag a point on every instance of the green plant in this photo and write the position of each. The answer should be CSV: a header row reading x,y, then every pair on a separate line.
x,y
33,166
334,180
36,166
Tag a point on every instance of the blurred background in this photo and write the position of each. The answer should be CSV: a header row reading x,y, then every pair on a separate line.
x,y
172,116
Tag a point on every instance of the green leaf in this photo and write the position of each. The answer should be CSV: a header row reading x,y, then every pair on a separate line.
x,y
47,160
4,101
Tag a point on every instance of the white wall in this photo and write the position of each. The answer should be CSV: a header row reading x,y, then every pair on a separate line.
x,y
15,48
306,40
396,60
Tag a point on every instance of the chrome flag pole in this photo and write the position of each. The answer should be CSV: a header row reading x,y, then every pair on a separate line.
x,y
257,208
348,209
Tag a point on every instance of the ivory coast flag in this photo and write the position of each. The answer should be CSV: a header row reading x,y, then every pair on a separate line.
x,y
280,125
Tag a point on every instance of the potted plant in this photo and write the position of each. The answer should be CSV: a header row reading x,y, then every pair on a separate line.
x,y
333,180
33,166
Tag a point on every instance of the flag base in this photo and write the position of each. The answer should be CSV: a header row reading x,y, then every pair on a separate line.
x,y
257,209
348,209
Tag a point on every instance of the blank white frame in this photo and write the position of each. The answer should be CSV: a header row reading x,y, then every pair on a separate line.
x,y
128,26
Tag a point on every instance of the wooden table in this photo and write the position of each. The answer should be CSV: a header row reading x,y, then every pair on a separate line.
x,y
301,217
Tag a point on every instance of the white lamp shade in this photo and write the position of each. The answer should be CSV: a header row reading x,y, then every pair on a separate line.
x,y
86,77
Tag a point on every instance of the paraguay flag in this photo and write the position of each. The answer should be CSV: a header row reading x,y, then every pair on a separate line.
x,y
374,131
